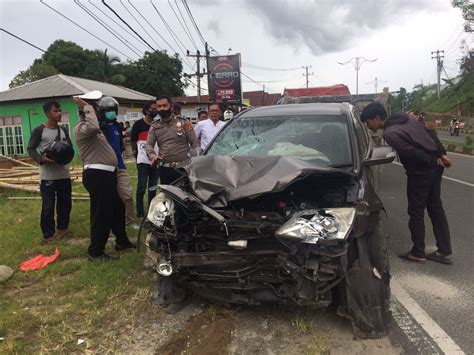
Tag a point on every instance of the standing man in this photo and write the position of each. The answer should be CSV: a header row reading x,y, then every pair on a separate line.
x,y
202,115
100,179
55,185
424,159
146,172
174,137
112,131
207,129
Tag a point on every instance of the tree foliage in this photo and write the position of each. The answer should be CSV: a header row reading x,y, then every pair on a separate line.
x,y
35,72
155,73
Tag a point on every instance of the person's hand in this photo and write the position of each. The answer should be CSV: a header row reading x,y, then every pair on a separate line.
x,y
447,163
439,162
46,160
80,102
155,160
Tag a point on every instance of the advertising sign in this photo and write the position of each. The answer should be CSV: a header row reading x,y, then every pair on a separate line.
x,y
224,79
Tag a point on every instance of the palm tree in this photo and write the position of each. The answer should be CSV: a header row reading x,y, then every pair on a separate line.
x,y
106,67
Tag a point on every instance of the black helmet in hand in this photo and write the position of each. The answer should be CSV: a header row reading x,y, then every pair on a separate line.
x,y
61,152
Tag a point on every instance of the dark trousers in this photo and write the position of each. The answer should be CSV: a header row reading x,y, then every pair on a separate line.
x,y
145,174
168,175
52,190
424,191
107,211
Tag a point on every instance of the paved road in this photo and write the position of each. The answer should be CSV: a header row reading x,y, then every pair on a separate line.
x,y
446,293
443,135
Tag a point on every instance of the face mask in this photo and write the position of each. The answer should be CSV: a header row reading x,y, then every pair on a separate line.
x,y
110,116
164,113
153,114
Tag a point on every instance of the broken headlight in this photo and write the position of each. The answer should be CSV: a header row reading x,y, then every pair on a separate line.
x,y
312,225
160,208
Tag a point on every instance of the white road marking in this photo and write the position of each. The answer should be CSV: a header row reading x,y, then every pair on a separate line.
x,y
464,155
448,178
439,336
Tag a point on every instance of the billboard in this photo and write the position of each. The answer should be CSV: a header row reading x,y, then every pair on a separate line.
x,y
224,79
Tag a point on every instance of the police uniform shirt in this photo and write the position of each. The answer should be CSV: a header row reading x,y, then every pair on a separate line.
x,y
173,139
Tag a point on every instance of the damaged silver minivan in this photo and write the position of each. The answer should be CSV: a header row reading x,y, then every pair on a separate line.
x,y
280,208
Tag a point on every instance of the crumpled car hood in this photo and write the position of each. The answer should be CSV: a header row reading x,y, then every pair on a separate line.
x,y
218,180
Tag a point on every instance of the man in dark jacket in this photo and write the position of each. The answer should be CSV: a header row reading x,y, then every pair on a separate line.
x,y
424,159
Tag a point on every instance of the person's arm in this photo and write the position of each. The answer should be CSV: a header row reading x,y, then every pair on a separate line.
x,y
90,125
150,144
409,152
190,134
33,144
134,139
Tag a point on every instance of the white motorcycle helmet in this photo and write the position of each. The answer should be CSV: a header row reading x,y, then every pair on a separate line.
x,y
228,114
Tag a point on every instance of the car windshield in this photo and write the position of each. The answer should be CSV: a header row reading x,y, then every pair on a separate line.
x,y
323,139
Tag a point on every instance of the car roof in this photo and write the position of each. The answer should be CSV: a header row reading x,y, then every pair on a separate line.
x,y
298,109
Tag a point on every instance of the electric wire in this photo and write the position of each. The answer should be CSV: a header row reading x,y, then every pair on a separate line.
x,y
23,40
116,35
139,24
118,24
194,22
258,67
182,26
154,29
75,23
185,24
130,27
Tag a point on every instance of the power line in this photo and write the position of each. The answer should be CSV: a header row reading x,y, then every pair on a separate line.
x,y
184,21
87,11
181,46
130,27
23,40
154,29
139,23
182,26
256,82
194,22
96,37
118,24
307,74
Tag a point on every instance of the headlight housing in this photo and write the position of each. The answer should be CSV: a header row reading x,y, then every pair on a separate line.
x,y
160,208
313,225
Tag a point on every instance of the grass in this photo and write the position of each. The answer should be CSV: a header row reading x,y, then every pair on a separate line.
x,y
50,309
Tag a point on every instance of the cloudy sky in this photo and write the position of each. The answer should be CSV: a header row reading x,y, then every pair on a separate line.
x,y
275,37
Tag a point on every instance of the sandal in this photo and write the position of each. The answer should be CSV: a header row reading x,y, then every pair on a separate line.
x,y
409,257
439,258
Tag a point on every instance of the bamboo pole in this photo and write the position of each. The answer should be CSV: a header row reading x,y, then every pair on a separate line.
x,y
39,198
17,161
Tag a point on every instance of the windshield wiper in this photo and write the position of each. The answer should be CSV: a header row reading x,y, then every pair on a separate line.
x,y
339,166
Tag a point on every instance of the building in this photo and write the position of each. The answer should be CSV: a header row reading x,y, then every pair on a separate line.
x,y
190,105
21,108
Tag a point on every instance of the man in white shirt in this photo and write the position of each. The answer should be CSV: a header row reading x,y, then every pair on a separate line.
x,y
206,130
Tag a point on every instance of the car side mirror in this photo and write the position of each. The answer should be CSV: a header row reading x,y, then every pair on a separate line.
x,y
380,155
195,152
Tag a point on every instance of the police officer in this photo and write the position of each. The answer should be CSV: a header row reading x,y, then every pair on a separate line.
x,y
174,137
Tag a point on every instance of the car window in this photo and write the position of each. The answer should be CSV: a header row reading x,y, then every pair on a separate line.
x,y
361,134
321,139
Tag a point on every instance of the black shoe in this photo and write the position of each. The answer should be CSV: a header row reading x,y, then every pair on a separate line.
x,y
103,257
128,245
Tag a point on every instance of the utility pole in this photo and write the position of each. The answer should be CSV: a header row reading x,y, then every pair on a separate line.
x,y
357,63
376,81
198,73
307,74
439,67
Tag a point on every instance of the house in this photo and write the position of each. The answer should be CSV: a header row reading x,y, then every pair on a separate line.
x,y
190,105
21,108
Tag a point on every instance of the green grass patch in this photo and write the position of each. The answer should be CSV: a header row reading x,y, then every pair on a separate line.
x,y
49,309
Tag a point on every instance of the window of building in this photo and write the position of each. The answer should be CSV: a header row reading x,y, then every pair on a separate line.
x,y
11,136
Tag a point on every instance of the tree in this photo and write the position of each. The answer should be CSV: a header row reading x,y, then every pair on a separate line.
x,y
68,57
155,73
35,72
103,68
467,8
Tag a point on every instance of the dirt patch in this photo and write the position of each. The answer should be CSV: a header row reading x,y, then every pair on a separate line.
x,y
208,333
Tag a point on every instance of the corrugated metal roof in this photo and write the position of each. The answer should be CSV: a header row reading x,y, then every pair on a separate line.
x,y
334,90
63,85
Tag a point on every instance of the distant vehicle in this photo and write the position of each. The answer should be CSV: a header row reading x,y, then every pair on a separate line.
x,y
454,127
281,208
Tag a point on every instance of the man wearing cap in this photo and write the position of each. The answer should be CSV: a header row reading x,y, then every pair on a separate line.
x,y
174,137
100,179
